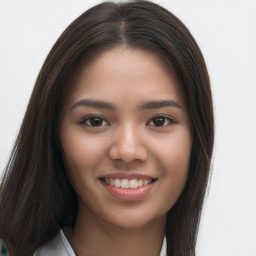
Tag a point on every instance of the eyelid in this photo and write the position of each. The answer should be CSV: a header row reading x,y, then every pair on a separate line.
x,y
87,117
167,117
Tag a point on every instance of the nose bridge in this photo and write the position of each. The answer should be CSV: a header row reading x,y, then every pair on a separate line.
x,y
128,138
128,144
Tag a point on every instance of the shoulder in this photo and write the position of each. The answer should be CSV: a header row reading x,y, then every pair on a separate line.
x,y
59,246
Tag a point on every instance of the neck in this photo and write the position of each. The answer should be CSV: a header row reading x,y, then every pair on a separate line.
x,y
94,236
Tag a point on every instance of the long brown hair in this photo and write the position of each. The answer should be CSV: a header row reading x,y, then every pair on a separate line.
x,y
36,198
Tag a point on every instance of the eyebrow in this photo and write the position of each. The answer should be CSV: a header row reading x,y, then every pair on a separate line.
x,y
93,103
144,106
160,104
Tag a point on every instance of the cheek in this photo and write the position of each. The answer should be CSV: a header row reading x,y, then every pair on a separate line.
x,y
174,159
174,151
82,156
80,150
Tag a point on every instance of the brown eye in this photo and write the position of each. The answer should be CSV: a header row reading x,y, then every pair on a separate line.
x,y
94,121
159,120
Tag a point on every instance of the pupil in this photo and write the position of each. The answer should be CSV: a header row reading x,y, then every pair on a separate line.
x,y
159,121
96,121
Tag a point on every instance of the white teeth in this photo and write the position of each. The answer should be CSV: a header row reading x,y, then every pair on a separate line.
x,y
145,182
140,183
133,183
125,183
112,182
117,183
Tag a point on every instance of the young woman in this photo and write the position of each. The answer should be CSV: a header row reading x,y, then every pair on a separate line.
x,y
114,151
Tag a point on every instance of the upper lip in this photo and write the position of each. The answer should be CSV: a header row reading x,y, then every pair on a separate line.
x,y
126,175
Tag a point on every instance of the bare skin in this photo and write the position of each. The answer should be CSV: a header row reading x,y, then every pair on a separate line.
x,y
124,116
112,240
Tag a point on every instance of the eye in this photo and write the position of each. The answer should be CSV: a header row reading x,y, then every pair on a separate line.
x,y
95,121
161,121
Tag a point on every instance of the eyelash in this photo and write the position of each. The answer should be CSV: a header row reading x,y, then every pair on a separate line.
x,y
91,117
167,119
104,122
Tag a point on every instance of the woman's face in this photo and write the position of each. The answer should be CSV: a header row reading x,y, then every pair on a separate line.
x,y
126,137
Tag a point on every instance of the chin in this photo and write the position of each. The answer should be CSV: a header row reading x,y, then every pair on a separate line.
x,y
135,221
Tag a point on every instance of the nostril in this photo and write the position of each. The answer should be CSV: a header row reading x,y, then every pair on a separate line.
x,y
128,154
127,146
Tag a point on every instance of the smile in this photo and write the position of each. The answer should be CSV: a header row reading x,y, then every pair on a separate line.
x,y
126,183
128,187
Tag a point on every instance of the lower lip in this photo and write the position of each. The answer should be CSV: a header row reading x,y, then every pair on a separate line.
x,y
129,194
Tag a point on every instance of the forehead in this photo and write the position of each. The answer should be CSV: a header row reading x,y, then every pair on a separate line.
x,y
120,74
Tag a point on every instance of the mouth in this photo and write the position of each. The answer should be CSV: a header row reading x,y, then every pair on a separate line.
x,y
133,183
128,187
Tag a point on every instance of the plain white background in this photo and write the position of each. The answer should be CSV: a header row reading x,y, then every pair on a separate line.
x,y
226,33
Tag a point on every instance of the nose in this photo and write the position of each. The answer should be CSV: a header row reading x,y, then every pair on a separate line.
x,y
127,145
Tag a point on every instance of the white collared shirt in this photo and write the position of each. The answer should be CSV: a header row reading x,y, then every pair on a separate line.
x,y
60,246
